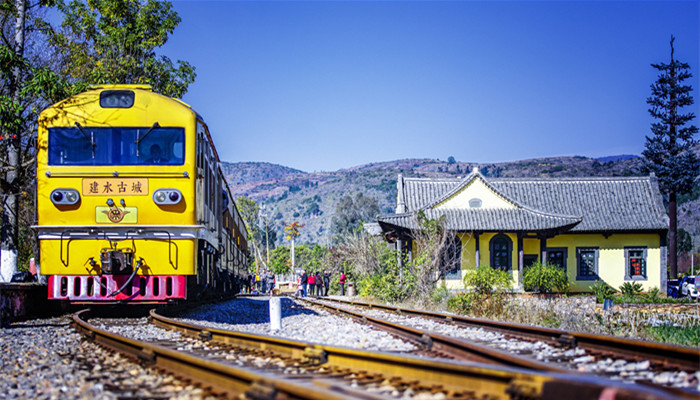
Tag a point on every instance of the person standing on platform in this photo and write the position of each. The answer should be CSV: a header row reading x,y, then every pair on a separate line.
x,y
304,281
312,284
319,284
341,280
271,281
263,282
249,283
326,281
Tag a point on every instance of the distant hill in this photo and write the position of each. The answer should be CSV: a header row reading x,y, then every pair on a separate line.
x,y
311,198
243,173
621,157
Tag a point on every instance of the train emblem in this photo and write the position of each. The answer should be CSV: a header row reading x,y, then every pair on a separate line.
x,y
115,214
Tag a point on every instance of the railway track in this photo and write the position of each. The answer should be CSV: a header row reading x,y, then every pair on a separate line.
x,y
580,346
291,369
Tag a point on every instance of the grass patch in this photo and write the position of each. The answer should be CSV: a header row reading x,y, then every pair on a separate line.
x,y
683,335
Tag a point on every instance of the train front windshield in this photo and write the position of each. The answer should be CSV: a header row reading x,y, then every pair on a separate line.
x,y
116,146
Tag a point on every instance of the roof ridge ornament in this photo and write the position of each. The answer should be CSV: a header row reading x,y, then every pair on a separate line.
x,y
400,202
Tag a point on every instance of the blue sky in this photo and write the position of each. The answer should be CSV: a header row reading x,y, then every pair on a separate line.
x,y
321,86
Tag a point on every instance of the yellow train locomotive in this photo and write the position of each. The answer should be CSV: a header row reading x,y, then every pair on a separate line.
x,y
132,205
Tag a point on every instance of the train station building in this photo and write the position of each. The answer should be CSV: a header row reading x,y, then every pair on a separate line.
x,y
609,229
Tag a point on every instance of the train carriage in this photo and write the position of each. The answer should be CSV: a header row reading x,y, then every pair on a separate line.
x,y
131,202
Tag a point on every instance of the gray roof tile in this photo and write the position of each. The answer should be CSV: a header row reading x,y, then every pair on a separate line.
x,y
601,204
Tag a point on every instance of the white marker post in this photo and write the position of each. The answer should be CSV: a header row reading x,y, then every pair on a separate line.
x,y
275,313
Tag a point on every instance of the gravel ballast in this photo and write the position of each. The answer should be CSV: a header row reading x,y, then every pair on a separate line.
x,y
47,359
298,323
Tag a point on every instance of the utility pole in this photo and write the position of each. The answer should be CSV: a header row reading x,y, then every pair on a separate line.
x,y
263,214
267,242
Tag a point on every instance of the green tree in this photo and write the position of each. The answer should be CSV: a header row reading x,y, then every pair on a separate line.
x,y
388,274
115,41
451,160
27,84
310,257
266,227
350,213
668,151
40,66
250,212
291,230
685,241
280,261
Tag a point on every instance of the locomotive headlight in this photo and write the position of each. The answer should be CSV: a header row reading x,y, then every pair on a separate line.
x,y
65,196
167,196
159,197
71,197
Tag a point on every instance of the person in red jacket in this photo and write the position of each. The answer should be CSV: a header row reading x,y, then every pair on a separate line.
x,y
312,284
342,283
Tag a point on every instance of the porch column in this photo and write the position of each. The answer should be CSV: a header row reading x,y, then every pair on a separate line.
x,y
543,249
476,236
409,245
521,258
399,247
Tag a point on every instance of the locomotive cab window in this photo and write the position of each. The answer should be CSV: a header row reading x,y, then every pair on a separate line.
x,y
116,146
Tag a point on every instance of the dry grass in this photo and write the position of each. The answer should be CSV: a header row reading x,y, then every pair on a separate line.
x,y
582,314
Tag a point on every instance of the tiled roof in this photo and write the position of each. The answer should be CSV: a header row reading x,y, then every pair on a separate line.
x,y
602,204
494,219
372,228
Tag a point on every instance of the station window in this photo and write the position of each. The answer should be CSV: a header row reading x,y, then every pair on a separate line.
x,y
557,256
452,258
501,249
586,263
635,263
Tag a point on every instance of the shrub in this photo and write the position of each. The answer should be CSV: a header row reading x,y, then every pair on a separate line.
x,y
545,278
386,286
440,294
487,280
603,291
491,305
462,303
630,290
654,296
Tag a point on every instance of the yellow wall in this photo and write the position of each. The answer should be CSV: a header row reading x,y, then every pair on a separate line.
x,y
469,256
476,189
611,257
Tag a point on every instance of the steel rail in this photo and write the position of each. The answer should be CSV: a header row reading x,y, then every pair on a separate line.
x,y
220,378
489,381
673,356
460,349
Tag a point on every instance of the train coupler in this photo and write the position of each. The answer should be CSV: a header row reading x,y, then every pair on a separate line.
x,y
117,261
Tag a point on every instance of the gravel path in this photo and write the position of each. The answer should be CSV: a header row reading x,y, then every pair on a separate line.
x,y
298,323
47,359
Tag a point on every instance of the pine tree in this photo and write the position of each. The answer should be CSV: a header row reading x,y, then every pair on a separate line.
x,y
668,152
